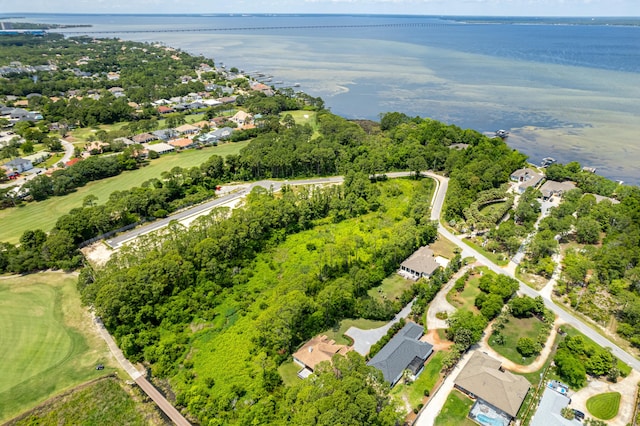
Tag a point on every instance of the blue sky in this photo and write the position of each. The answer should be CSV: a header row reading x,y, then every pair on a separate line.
x,y
419,7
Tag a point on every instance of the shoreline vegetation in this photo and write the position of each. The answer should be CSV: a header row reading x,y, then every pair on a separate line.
x,y
215,309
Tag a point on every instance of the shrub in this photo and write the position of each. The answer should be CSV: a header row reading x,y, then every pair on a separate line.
x,y
527,347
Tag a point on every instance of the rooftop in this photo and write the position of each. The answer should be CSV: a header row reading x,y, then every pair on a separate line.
x,y
483,378
422,261
404,349
548,412
319,349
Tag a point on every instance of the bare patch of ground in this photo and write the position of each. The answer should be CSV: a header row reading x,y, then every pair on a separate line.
x,y
97,253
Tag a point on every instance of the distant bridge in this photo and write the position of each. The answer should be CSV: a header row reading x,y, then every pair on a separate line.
x,y
284,27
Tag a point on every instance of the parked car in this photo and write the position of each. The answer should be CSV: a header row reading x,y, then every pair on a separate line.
x,y
99,367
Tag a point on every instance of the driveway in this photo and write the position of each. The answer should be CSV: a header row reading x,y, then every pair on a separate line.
x,y
440,304
627,387
364,339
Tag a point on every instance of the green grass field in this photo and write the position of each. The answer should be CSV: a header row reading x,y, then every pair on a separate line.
x,y
605,405
455,411
514,330
414,392
305,117
465,300
49,344
289,373
44,214
391,288
104,402
443,247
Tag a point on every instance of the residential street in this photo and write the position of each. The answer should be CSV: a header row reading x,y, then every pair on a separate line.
x,y
430,411
365,338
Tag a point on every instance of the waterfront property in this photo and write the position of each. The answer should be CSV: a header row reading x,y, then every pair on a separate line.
x,y
499,393
526,178
551,188
404,352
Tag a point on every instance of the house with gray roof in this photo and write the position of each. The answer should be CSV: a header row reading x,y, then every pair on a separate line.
x,y
551,188
19,165
165,134
217,135
422,263
403,352
550,408
526,178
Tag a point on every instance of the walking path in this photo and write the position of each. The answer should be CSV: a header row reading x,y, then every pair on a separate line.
x,y
139,378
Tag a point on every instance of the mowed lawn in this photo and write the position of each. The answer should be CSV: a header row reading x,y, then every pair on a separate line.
x,y
305,117
514,330
455,411
414,392
466,299
605,405
44,214
391,288
48,341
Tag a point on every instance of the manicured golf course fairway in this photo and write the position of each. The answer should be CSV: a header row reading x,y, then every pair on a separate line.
x,y
48,341
44,214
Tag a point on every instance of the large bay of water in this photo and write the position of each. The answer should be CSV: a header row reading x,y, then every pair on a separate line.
x,y
565,88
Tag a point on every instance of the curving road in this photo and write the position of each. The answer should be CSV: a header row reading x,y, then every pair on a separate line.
x,y
436,212
426,419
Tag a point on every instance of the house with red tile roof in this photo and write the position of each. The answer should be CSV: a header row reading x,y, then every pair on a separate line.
x,y
182,143
165,109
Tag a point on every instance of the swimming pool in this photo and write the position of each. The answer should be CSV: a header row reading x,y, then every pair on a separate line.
x,y
489,421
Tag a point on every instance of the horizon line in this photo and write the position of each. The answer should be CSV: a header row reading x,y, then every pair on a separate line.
x,y
8,15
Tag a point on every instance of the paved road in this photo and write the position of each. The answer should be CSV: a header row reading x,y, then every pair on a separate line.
x,y
525,289
139,378
68,151
243,190
431,410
